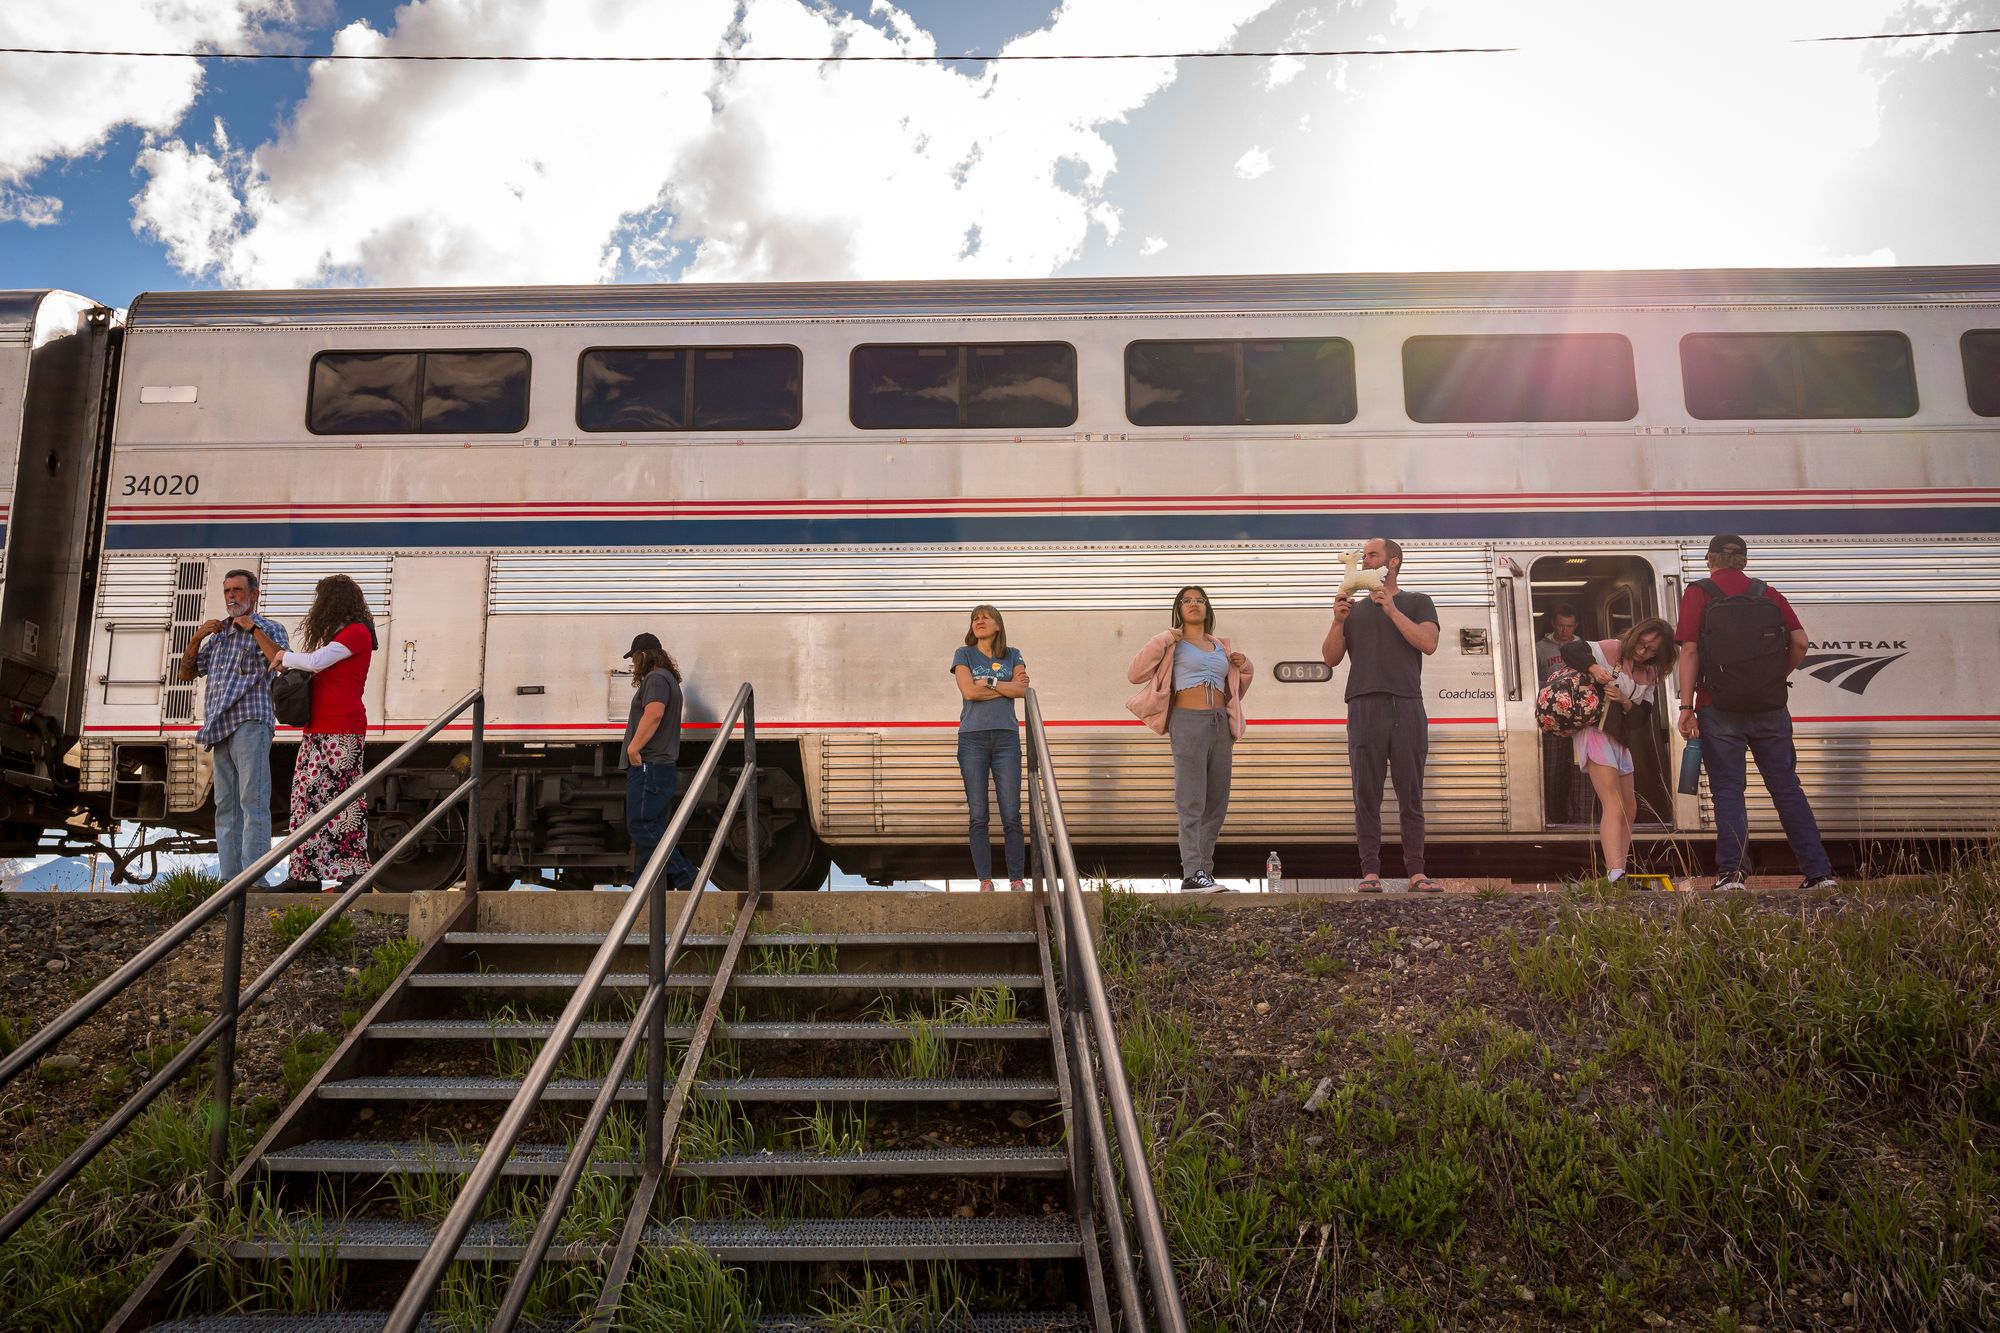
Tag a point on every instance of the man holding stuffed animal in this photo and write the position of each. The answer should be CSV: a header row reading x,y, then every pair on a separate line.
x,y
1741,640
1386,634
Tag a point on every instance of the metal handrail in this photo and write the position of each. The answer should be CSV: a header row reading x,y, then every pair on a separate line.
x,y
221,1031
1089,1010
647,892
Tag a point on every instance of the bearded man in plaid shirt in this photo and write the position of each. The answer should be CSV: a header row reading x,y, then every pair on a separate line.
x,y
239,722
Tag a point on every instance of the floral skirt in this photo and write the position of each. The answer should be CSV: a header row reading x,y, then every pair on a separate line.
x,y
328,765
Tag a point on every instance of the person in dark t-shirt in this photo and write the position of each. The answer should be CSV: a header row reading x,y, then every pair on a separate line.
x,y
651,747
1384,640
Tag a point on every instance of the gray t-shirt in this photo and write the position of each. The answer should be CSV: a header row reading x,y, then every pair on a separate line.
x,y
664,745
1379,659
987,714
1547,653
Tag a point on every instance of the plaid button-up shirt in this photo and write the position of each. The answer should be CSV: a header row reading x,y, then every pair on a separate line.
x,y
239,679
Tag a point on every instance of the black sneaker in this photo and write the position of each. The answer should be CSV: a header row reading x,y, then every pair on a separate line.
x,y
1203,882
1827,882
1728,881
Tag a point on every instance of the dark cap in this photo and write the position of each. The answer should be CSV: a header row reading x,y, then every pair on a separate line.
x,y
1727,543
644,643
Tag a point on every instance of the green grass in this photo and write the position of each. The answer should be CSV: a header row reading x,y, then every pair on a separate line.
x,y
385,963
179,892
336,941
685,1289
1675,1105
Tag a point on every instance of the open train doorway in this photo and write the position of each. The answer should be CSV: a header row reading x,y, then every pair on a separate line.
x,y
1597,596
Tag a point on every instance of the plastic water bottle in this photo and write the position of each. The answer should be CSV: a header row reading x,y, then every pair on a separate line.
x,y
1274,874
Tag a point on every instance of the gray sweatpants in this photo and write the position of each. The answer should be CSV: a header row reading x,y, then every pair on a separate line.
x,y
1203,749
1386,732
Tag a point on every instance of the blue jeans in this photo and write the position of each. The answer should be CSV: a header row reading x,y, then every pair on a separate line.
x,y
649,800
998,754
242,797
1725,739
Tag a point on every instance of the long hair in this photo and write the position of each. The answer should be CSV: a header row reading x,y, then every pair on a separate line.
x,y
1207,625
337,603
999,629
1670,651
648,660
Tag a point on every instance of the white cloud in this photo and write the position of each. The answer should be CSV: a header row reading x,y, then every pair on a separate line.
x,y
30,210
1151,246
413,173
1253,164
54,107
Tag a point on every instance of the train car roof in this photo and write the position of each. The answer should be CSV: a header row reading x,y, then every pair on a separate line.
x,y
26,315
1668,288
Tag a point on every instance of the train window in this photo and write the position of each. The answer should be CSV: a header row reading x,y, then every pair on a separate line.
x,y
689,388
1767,376
1980,349
418,393
1240,382
979,385
1520,377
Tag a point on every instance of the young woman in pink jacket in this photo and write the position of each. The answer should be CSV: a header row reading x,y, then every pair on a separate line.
x,y
1194,686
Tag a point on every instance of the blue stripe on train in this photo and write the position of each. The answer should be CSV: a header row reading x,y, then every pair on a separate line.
x,y
589,532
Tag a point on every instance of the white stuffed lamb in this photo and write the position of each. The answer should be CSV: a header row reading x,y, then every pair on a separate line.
x,y
1357,579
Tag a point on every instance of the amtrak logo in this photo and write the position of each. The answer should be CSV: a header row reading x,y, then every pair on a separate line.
x,y
1851,671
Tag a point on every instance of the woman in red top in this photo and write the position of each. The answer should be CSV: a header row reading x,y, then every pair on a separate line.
x,y
339,638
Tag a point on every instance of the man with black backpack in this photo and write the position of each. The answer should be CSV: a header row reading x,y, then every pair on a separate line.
x,y
1740,641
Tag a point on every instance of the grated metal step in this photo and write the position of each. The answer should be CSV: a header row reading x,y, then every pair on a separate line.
x,y
365,1157
413,1088
568,981
473,1029
809,1240
914,939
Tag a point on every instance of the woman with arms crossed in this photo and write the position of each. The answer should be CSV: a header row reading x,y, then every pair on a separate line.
x,y
991,676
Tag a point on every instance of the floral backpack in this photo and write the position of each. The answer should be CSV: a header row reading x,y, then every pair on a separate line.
x,y
1569,702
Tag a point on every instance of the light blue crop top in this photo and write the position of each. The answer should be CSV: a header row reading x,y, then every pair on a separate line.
x,y
1194,667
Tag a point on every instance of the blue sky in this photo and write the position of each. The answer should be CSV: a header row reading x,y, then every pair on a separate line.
x,y
1621,135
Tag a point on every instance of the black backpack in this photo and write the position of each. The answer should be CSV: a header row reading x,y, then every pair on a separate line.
x,y
1745,650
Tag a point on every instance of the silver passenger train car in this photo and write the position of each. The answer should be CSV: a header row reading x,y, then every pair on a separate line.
x,y
808,486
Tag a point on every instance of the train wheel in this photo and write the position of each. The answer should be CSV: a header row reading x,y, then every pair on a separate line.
x,y
793,857
436,862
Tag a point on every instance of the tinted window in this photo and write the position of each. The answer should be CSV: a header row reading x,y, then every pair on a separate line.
x,y
1981,352
1277,382
409,393
990,385
1520,377
689,388
365,393
1763,376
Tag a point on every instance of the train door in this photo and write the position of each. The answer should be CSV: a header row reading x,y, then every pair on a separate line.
x,y
1546,598
436,643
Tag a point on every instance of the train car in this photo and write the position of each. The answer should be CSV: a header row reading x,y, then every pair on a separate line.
x,y
808,486
57,364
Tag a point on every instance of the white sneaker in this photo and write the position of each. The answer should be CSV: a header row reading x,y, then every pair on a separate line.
x,y
1729,881
1823,882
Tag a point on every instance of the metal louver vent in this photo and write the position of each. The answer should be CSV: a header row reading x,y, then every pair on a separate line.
x,y
138,590
289,580
1933,570
190,578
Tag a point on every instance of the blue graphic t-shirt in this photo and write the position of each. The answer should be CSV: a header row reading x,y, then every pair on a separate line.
x,y
987,714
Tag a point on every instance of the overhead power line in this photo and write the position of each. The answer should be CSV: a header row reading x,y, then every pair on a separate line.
x,y
723,57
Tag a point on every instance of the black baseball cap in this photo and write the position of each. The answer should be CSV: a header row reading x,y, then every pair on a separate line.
x,y
644,643
1727,543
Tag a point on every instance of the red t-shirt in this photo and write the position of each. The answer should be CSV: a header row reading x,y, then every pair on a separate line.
x,y
337,706
1694,605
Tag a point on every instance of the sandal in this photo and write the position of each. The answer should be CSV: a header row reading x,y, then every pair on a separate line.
x,y
1421,883
1370,883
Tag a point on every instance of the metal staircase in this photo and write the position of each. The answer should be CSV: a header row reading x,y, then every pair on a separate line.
x,y
814,1128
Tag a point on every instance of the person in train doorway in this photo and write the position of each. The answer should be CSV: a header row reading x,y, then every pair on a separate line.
x,y
1740,642
339,637
1194,683
652,748
1558,772
1387,636
1630,668
991,675
238,722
